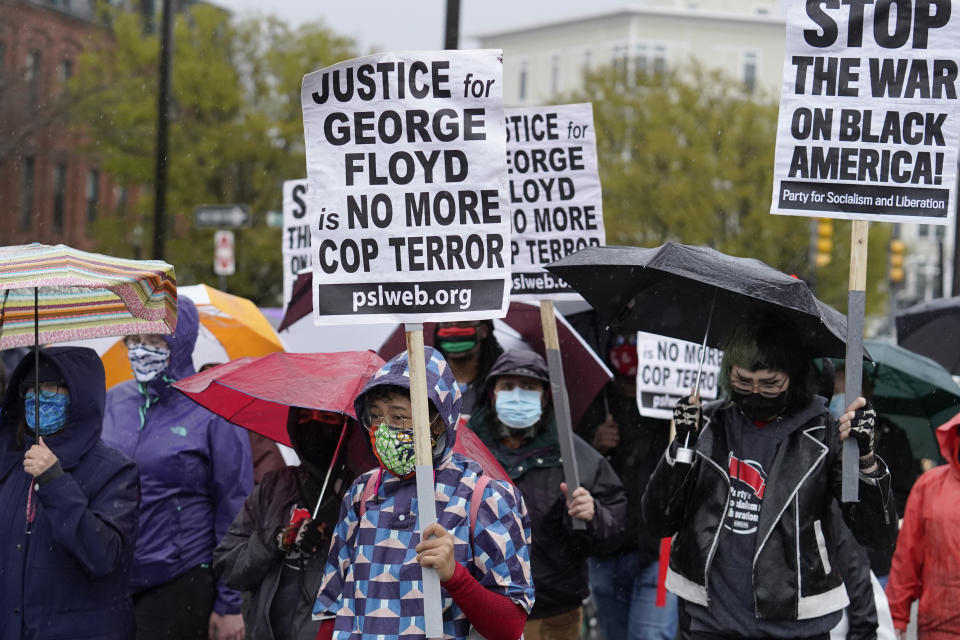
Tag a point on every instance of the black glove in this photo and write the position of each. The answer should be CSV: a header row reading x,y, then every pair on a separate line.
x,y
686,419
312,537
287,538
863,429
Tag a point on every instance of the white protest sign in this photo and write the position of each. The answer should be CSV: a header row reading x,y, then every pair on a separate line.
x,y
554,192
405,162
868,125
296,234
667,371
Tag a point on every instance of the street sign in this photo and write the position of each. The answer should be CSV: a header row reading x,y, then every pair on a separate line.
x,y
223,262
222,215
274,219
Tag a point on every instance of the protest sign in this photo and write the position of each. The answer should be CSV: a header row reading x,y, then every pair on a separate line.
x,y
869,126
405,162
296,234
554,193
667,371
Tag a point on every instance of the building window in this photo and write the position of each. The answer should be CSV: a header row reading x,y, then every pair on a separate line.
x,y
59,195
65,70
93,194
3,59
522,88
620,53
121,198
26,193
923,230
641,62
31,74
555,74
659,59
587,60
750,71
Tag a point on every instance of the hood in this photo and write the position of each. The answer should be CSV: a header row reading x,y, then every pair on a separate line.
x,y
510,361
182,341
82,370
355,452
442,389
950,442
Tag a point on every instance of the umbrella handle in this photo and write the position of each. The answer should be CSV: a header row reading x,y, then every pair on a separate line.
x,y
685,453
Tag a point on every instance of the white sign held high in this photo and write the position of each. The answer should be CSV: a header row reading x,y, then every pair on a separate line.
x,y
296,234
667,371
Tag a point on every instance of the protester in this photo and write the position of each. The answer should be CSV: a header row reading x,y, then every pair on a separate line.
x,y
753,552
470,348
196,471
69,504
372,579
623,584
275,548
516,421
926,564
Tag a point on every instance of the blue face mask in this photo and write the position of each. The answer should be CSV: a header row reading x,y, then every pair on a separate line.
x,y
838,403
54,408
519,408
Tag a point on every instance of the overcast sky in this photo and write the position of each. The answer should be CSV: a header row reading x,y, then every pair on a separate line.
x,y
393,25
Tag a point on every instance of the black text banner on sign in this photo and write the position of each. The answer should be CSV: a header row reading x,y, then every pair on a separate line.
x,y
868,125
405,162
295,242
554,194
868,130
667,371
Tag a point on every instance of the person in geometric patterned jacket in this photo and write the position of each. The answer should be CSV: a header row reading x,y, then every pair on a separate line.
x,y
372,587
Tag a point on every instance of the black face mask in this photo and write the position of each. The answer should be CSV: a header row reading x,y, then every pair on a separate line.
x,y
758,407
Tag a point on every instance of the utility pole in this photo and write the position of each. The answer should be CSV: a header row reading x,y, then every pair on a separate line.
x,y
163,108
451,34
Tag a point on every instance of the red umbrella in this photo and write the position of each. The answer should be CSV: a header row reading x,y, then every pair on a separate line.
x,y
257,393
584,371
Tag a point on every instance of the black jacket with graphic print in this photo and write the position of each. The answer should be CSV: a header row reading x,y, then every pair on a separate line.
x,y
794,525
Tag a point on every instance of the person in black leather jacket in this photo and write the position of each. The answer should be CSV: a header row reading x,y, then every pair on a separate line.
x,y
754,553
523,438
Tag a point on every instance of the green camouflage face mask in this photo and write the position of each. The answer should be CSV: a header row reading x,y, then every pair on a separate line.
x,y
394,449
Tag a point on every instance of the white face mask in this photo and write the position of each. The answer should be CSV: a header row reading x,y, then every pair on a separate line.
x,y
148,362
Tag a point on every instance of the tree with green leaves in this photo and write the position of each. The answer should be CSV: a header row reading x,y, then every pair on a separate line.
x,y
688,156
236,131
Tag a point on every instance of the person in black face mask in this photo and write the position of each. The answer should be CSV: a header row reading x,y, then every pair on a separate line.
x,y
754,552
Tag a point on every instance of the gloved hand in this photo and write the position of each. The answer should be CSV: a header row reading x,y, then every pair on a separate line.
x,y
860,420
312,537
687,420
287,537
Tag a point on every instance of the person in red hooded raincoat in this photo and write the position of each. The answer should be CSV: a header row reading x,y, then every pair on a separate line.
x,y
926,564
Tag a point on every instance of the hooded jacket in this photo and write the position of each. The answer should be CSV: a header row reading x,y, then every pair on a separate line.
x,y
926,564
690,502
372,582
68,577
559,553
248,558
195,467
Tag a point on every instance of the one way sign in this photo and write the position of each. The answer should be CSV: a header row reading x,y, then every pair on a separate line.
x,y
223,262
222,215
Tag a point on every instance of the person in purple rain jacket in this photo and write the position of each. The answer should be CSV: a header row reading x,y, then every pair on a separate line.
x,y
195,472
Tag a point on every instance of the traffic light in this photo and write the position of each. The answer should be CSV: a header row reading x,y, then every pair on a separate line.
x,y
824,242
897,249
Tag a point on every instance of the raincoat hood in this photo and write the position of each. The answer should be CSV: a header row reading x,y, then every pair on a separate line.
x,y
950,443
354,452
182,341
82,370
442,389
521,362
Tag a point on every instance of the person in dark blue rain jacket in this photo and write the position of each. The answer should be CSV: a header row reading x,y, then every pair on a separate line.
x,y
69,505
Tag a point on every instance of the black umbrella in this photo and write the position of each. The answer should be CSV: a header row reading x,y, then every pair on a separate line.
x,y
932,329
671,290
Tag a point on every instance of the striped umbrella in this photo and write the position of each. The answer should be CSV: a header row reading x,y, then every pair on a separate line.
x,y
56,293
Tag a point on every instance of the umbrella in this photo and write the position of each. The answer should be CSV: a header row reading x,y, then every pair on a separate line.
x,y
932,329
256,393
230,327
914,391
696,293
585,373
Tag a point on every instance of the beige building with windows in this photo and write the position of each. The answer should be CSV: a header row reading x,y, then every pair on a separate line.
x,y
744,38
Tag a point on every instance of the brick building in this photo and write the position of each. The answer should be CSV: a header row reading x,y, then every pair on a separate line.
x,y
51,189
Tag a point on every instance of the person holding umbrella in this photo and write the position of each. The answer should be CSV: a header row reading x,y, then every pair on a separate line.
x,y
517,422
276,547
753,553
196,472
69,502
479,545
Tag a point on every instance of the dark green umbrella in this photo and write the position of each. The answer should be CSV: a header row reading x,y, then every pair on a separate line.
x,y
915,392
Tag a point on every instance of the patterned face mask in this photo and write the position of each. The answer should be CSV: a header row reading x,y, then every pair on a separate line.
x,y
148,362
394,449
53,411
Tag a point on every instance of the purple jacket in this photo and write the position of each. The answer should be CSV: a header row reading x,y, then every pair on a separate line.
x,y
195,468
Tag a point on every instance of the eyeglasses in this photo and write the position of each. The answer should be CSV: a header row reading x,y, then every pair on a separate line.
x,y
396,421
765,389
146,340
47,389
620,339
